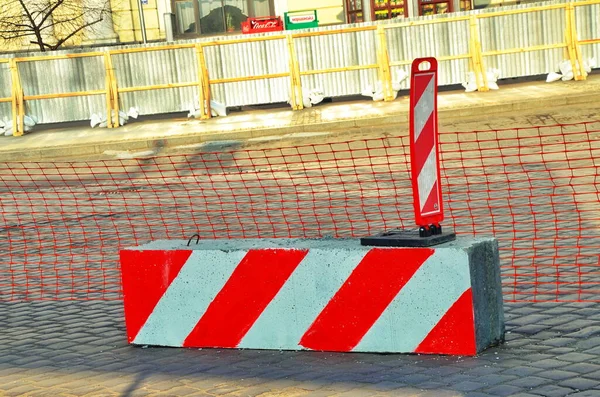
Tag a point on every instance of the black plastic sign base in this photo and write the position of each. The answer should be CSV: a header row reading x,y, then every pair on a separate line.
x,y
406,238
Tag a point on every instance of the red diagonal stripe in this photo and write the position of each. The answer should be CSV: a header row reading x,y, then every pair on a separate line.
x,y
362,299
420,85
251,287
455,332
146,276
424,144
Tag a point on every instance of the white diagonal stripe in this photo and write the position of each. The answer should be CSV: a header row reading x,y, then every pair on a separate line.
x,y
424,106
420,305
299,302
183,304
427,178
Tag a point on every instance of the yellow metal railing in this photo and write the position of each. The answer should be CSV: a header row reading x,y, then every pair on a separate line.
x,y
299,73
205,92
18,97
116,90
475,56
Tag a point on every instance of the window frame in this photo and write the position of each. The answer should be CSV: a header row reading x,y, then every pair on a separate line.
x,y
198,32
351,11
435,2
389,7
196,18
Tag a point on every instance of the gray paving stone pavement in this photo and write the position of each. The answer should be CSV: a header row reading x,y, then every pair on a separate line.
x,y
73,348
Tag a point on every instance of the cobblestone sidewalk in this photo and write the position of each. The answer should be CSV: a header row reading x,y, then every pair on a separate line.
x,y
79,348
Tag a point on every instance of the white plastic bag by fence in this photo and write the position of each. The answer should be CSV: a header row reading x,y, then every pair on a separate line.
x,y
316,96
6,127
492,77
100,120
218,109
471,84
401,75
553,76
566,70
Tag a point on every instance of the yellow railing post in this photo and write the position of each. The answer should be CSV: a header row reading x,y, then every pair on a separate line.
x,y
18,104
296,97
13,94
383,60
21,103
115,91
569,9
573,49
476,58
203,83
109,89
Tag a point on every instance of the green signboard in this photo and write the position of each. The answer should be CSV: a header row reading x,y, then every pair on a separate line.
x,y
301,19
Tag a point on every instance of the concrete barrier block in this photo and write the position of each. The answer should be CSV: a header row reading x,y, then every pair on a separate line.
x,y
325,294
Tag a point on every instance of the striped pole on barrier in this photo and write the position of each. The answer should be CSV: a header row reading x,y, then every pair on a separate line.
x,y
425,166
424,153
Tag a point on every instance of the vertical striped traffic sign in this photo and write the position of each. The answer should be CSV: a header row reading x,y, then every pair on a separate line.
x,y
424,151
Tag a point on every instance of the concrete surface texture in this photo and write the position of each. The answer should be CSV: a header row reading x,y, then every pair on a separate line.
x,y
364,115
315,294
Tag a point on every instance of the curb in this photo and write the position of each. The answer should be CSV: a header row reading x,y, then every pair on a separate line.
x,y
359,124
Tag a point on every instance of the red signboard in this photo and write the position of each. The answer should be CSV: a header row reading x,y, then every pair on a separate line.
x,y
261,25
424,150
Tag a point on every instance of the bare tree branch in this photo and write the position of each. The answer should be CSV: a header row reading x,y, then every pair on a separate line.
x,y
49,12
67,37
27,13
49,24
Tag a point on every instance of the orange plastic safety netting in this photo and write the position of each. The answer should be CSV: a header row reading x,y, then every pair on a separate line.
x,y
535,189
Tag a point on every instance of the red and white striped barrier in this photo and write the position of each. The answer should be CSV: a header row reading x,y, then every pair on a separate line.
x,y
424,156
331,295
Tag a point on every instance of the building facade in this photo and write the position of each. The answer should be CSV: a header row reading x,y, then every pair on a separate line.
x,y
206,17
188,19
122,25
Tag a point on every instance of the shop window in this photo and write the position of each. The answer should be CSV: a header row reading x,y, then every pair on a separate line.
x,y
479,4
387,9
185,16
466,5
354,10
434,7
195,17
